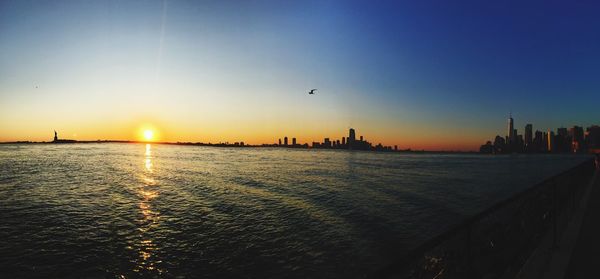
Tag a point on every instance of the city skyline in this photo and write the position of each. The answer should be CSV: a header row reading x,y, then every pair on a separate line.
x,y
351,142
576,139
431,76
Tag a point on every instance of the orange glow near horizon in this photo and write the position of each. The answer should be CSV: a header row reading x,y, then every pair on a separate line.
x,y
258,134
166,128
147,133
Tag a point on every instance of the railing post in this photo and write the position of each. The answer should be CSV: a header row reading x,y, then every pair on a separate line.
x,y
469,253
555,215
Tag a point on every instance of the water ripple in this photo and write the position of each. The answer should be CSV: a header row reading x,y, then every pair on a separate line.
x,y
131,210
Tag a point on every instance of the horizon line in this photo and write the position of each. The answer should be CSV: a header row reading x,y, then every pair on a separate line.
x,y
228,144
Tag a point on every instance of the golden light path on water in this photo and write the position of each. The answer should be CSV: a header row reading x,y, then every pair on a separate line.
x,y
147,261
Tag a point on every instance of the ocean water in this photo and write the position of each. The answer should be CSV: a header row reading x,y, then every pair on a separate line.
x,y
129,210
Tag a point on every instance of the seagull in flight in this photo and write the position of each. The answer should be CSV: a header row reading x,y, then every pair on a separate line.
x,y
312,91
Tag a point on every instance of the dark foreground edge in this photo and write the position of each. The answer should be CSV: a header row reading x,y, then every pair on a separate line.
x,y
496,242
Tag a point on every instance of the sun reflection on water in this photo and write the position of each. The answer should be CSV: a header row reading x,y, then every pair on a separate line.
x,y
148,159
149,219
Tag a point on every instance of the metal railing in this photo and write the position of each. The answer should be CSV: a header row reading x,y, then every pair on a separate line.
x,y
496,242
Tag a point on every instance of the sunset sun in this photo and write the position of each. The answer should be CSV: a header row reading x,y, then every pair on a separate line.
x,y
148,135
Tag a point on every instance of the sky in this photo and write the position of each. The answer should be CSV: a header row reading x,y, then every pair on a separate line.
x,y
434,75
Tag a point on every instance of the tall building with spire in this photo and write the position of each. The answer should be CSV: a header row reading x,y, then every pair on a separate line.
x,y
511,129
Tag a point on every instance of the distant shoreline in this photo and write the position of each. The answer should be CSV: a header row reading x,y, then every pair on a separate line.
x,y
237,146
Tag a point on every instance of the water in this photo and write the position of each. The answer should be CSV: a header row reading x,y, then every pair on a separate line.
x,y
124,210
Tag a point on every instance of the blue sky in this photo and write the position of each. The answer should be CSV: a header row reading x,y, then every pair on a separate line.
x,y
414,73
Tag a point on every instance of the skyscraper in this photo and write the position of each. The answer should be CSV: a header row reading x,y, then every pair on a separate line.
x,y
538,141
327,143
351,138
285,141
293,141
592,136
576,134
511,129
563,132
562,141
528,134
551,147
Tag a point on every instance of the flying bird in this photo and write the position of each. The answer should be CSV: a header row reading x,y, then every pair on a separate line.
x,y
312,91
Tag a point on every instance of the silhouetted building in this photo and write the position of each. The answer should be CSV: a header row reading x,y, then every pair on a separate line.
x,y
562,132
326,143
538,140
499,144
551,140
577,139
351,138
520,144
562,141
487,148
574,139
528,135
349,142
511,130
592,136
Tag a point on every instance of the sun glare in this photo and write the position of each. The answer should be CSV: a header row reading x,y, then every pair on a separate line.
x,y
148,135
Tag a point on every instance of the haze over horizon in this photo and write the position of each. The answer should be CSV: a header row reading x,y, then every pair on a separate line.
x,y
426,75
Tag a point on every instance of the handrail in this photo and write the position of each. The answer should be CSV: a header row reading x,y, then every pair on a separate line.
x,y
411,256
